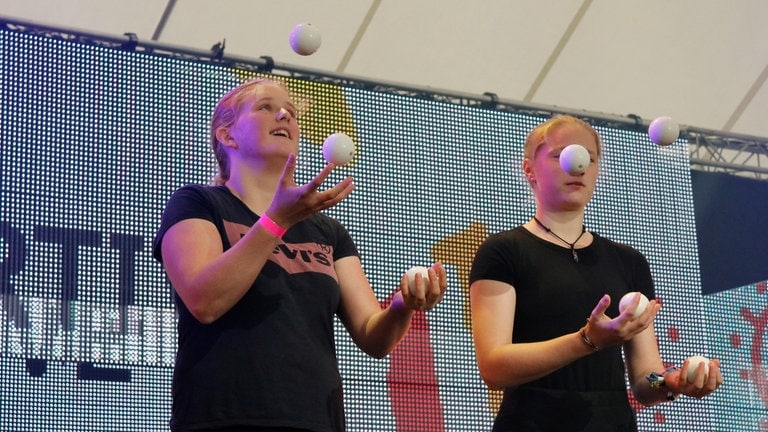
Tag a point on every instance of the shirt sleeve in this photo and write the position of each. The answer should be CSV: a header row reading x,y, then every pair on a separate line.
x,y
345,245
493,260
643,276
187,202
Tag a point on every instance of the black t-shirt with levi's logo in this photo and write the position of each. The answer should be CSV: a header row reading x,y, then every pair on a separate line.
x,y
270,360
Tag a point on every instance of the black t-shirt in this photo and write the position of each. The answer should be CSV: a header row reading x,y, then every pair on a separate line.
x,y
555,296
270,360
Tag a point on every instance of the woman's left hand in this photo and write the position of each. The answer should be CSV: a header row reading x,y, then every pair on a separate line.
x,y
425,293
702,383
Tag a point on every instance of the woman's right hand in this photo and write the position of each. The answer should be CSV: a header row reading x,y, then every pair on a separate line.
x,y
605,331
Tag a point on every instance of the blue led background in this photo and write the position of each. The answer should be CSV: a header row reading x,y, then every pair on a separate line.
x,y
95,140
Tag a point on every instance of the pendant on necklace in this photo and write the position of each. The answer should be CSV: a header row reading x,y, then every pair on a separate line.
x,y
571,245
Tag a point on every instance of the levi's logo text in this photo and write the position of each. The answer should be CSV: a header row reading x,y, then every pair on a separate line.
x,y
294,258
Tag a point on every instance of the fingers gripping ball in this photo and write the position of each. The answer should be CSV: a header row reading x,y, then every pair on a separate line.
x,y
663,131
305,39
574,159
627,300
411,273
338,149
693,366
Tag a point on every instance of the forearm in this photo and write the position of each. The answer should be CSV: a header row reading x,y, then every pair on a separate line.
x,y
649,396
642,359
514,364
385,328
210,288
649,388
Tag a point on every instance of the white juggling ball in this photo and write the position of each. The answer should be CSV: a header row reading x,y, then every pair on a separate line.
x,y
664,131
693,365
338,149
305,39
574,159
627,299
411,273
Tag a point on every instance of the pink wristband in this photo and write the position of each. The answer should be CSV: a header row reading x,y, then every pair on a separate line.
x,y
271,226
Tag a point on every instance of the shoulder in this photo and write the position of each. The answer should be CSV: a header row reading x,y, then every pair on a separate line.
x,y
326,223
327,230
625,251
192,192
199,191
499,256
508,239
212,203
503,247
187,202
205,196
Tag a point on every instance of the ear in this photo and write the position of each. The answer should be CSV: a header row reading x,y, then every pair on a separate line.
x,y
223,136
528,170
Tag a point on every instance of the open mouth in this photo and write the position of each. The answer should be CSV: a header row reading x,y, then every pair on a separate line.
x,y
281,133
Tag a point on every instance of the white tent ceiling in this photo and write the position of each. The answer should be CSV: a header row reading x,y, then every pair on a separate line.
x,y
702,62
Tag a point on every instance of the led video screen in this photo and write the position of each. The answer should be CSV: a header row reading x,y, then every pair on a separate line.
x,y
94,141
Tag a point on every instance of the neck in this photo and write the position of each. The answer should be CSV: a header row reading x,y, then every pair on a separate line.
x,y
253,190
553,233
567,225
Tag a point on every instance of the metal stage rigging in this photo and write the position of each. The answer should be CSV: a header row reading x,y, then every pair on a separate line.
x,y
710,150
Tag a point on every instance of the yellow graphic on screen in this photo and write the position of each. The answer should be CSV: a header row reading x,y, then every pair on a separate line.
x,y
459,250
322,108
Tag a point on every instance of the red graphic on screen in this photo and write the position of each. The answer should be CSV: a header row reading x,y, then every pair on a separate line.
x,y
758,372
412,381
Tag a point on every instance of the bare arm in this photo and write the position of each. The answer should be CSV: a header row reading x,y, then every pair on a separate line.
x,y
208,280
506,364
375,330
643,358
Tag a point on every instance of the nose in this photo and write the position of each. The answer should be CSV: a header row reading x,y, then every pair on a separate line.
x,y
282,113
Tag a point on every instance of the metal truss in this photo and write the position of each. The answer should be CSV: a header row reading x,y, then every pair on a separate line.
x,y
745,156
712,151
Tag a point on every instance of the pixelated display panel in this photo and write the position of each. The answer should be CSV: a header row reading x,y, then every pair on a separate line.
x,y
95,140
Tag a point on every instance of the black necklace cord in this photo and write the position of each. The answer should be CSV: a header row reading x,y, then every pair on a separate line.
x,y
570,245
